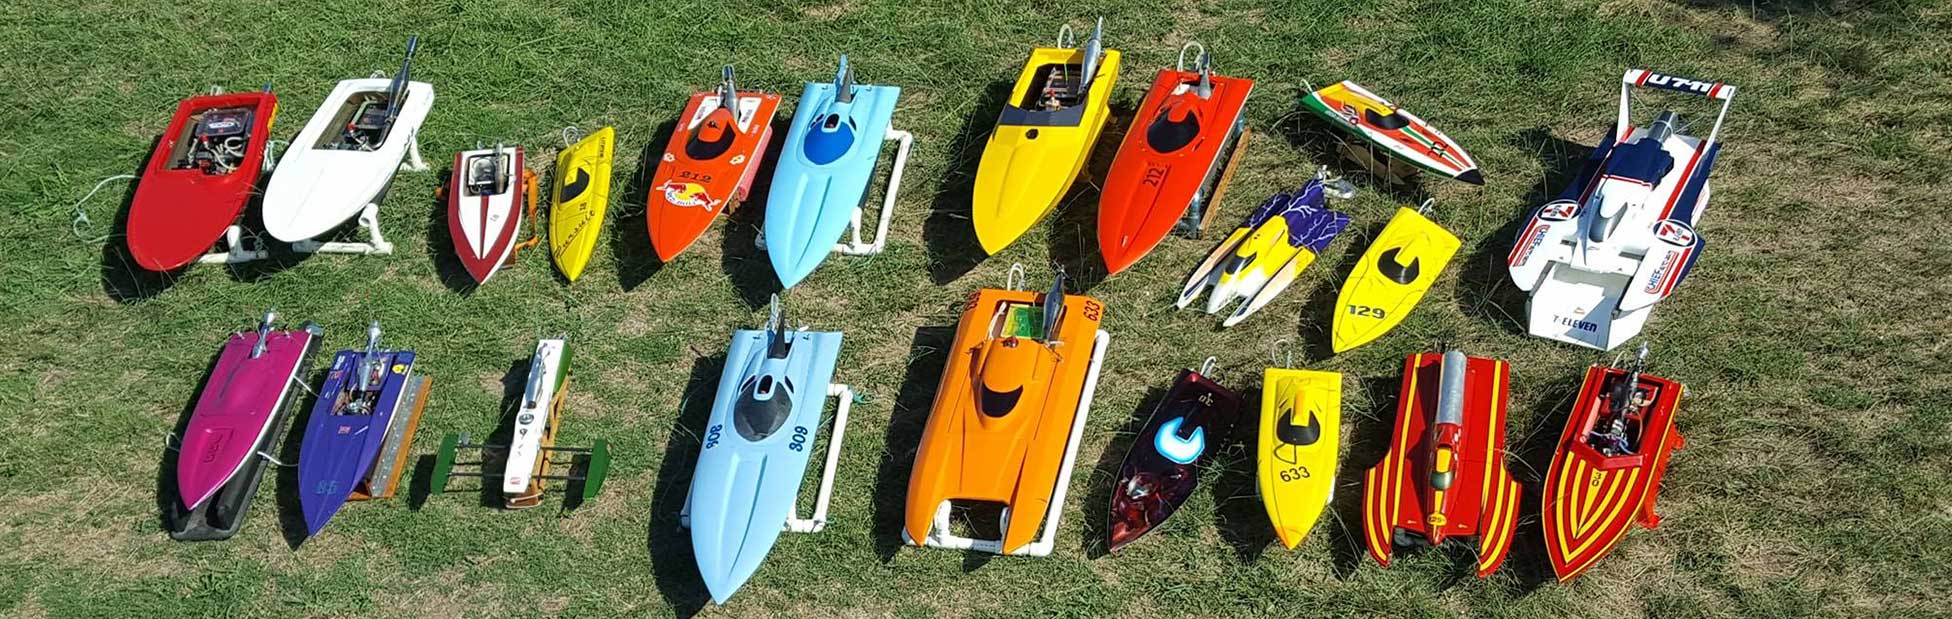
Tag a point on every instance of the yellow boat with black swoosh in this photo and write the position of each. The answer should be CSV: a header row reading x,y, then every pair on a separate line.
x,y
1391,277
1301,430
580,196
1043,137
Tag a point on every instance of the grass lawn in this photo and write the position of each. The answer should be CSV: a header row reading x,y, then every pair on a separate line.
x,y
1811,335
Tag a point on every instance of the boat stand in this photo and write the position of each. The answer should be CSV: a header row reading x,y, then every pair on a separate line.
x,y
794,523
1379,164
939,535
383,480
235,252
854,246
1199,214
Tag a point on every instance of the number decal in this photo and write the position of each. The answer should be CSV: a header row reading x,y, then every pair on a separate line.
x,y
799,439
1367,312
1092,310
712,434
1295,474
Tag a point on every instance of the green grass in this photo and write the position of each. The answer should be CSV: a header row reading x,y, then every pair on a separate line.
x,y
1813,335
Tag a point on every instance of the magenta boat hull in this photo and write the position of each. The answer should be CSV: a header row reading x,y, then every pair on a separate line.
x,y
235,413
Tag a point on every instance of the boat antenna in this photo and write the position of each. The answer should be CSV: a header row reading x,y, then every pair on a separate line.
x,y
1093,47
728,93
844,82
397,91
264,331
372,356
503,172
776,324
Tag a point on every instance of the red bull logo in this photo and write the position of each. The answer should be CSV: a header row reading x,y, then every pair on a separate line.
x,y
681,193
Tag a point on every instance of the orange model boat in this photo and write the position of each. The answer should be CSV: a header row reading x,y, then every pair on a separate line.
x,y
1608,468
709,165
1444,475
1008,412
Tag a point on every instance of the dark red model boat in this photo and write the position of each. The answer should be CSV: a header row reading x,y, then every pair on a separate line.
x,y
199,178
1172,167
485,199
1608,469
1162,468
1444,476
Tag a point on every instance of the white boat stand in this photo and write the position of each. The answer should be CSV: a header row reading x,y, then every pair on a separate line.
x,y
939,535
234,250
369,219
794,523
854,246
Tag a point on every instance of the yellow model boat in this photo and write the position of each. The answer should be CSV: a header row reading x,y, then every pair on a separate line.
x,y
1391,277
1301,429
1043,138
581,194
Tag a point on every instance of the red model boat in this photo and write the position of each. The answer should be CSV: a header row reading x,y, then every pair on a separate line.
x,y
485,199
1444,475
1171,169
714,154
199,177
1608,469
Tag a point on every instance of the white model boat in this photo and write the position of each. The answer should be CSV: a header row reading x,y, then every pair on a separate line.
x,y
344,159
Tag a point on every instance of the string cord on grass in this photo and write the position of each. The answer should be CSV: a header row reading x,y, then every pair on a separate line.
x,y
81,215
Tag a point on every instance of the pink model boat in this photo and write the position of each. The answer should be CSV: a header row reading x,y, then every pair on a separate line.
x,y
249,391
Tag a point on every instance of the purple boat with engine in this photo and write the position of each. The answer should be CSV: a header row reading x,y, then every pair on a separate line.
x,y
361,415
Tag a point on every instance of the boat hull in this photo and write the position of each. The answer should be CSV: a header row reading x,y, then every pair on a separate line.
x,y
1299,441
1162,468
1593,498
581,196
1358,111
1390,278
700,176
316,189
1172,159
823,174
347,429
484,224
180,210
1035,154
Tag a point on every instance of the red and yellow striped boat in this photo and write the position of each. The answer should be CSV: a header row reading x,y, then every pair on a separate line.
x,y
1608,468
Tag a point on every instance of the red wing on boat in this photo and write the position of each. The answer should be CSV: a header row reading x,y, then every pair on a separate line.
x,y
199,177
1173,157
713,156
1444,475
1608,468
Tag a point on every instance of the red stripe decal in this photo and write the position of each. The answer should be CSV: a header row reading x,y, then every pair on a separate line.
x,y
1682,187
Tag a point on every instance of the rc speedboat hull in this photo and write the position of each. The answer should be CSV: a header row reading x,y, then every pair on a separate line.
x,y
247,396
347,429
319,186
1162,468
1390,278
1004,426
708,167
823,172
485,200
763,427
581,195
1356,110
1036,152
1300,439
1172,160
1265,254
199,177
1596,491
1444,475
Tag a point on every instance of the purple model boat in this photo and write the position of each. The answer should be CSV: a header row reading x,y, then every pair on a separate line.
x,y
248,394
350,426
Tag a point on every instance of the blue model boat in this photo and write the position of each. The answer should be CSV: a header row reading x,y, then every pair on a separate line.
x,y
824,171
350,427
764,424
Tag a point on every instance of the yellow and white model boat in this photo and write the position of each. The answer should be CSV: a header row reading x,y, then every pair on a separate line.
x,y
580,196
1301,430
1043,137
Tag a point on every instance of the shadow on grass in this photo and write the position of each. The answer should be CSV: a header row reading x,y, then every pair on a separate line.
x,y
630,242
1528,560
673,565
1484,288
291,510
1103,478
440,238
948,233
1241,517
749,268
927,355
1363,448
1073,240
168,495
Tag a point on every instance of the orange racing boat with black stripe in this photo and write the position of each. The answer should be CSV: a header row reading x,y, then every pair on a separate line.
x,y
1444,475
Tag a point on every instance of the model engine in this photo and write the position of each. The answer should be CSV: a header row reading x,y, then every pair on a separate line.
x,y
219,142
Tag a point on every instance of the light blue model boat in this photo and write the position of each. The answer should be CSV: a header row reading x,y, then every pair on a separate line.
x,y
764,424
824,171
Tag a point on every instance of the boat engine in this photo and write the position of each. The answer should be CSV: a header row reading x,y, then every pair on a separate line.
x,y
219,142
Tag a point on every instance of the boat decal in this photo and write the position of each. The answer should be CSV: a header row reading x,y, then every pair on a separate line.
x,y
1173,447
